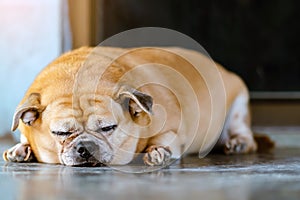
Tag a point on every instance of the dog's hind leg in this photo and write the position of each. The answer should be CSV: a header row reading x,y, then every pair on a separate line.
x,y
237,136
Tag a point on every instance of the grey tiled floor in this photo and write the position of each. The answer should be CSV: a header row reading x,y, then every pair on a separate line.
x,y
265,176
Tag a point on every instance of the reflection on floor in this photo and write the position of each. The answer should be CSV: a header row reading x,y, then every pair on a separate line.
x,y
274,175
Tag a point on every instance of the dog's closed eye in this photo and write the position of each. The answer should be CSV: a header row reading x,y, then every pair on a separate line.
x,y
61,133
107,129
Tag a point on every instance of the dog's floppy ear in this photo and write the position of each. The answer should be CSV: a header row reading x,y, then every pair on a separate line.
x,y
28,112
136,101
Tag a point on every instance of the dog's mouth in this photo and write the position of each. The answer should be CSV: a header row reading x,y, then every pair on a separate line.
x,y
90,164
90,161
75,161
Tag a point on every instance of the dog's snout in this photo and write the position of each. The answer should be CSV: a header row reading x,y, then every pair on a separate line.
x,y
85,150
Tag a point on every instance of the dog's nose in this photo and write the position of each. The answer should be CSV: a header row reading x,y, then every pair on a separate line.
x,y
84,151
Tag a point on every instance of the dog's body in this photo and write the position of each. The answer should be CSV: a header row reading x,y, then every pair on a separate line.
x,y
84,108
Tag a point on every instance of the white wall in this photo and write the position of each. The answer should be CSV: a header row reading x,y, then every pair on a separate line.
x,y
31,36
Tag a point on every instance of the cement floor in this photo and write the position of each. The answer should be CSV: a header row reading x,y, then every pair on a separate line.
x,y
274,175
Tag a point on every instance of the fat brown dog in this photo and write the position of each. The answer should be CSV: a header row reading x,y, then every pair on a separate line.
x,y
106,105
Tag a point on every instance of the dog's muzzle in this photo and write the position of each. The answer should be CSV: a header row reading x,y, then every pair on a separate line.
x,y
85,149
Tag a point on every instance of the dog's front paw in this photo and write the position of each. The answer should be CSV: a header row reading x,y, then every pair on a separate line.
x,y
19,153
157,155
240,145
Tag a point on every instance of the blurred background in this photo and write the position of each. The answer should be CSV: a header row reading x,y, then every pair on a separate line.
x,y
259,40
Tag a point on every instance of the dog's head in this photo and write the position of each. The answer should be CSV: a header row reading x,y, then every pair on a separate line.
x,y
88,129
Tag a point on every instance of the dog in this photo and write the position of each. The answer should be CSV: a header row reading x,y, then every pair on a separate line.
x,y
107,105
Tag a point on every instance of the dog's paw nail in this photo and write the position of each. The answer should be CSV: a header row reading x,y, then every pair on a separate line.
x,y
238,148
227,145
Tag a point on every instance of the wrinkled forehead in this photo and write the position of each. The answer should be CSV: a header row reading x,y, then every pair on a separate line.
x,y
82,107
